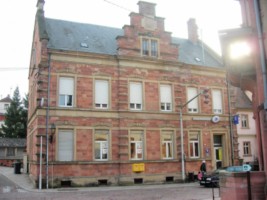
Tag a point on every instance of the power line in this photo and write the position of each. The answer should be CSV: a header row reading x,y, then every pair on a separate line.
x,y
119,6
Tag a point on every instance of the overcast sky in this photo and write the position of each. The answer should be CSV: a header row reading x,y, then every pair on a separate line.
x,y
17,23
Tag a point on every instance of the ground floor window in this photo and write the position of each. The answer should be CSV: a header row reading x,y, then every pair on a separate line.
x,y
136,143
194,151
101,144
167,145
65,145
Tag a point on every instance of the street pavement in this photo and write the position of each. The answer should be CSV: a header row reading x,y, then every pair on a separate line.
x,y
182,191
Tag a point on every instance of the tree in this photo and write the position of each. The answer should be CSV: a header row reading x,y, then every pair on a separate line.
x,y
15,124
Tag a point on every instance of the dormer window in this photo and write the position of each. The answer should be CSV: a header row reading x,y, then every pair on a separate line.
x,y
149,47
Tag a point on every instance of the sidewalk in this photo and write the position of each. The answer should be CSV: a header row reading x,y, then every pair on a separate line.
x,y
24,182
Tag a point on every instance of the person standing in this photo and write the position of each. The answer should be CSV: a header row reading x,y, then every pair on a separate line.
x,y
203,168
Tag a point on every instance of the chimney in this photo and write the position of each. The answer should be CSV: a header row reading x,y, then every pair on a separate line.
x,y
40,4
192,30
147,9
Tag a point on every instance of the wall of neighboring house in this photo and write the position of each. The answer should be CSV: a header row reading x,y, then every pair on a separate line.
x,y
246,131
9,155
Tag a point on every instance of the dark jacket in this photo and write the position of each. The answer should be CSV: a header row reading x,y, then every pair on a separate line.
x,y
203,167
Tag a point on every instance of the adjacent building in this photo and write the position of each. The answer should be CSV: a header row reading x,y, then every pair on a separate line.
x,y
4,104
117,106
246,128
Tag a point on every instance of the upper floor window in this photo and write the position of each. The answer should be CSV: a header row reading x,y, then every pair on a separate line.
x,y
6,106
165,98
244,121
194,145
136,96
246,148
65,145
167,144
136,144
149,47
101,94
101,144
217,101
192,107
66,91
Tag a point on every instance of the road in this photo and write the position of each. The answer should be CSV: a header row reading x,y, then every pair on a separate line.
x,y
192,191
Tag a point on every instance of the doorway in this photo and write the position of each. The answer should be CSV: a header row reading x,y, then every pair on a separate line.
x,y
218,151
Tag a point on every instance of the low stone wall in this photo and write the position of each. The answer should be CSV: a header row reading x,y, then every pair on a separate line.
x,y
234,185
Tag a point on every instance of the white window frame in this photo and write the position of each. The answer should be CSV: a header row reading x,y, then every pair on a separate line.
x,y
244,121
65,145
192,107
193,143
246,148
165,98
217,103
101,94
150,47
167,145
136,96
136,145
103,145
66,93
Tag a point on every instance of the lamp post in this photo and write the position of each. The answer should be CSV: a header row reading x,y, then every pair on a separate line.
x,y
205,92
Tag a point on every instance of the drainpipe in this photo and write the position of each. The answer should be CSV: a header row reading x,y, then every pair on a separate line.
x,y
230,120
47,116
261,49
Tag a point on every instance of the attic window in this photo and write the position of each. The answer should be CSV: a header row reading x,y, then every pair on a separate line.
x,y
197,59
84,45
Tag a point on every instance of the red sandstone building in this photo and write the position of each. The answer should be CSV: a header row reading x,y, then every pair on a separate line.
x,y
106,102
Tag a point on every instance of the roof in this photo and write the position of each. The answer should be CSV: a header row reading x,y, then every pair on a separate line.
x,y
74,36
242,100
12,142
6,99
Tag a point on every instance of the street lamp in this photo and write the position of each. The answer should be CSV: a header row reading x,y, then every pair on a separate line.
x,y
205,93
53,130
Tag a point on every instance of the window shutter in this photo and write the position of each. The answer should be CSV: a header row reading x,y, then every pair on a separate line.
x,y
66,86
65,146
217,99
191,93
136,93
101,91
165,94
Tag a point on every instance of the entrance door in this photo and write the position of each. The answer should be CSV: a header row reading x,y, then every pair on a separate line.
x,y
218,151
218,157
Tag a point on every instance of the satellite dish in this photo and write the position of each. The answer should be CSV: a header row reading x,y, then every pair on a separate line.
x,y
215,119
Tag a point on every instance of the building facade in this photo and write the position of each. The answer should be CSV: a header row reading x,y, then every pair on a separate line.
x,y
4,104
104,103
246,128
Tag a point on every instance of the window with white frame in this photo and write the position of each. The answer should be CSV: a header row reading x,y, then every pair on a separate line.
x,y
65,145
101,94
101,146
192,107
136,96
6,105
167,144
66,91
194,151
247,148
10,151
165,98
217,101
244,121
136,145
149,47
